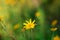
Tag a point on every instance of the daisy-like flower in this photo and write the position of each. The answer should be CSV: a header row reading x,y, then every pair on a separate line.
x,y
54,22
53,29
37,14
12,2
29,24
56,38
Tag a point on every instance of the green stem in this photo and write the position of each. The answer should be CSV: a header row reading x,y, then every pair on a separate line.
x,y
26,36
3,26
52,36
32,34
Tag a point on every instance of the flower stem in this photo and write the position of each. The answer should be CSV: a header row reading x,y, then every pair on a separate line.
x,y
52,36
32,34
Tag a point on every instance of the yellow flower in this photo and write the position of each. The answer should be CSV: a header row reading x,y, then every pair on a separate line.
x,y
16,26
1,18
54,22
53,29
37,14
29,24
56,38
12,2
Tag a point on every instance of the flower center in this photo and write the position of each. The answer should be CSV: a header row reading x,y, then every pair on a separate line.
x,y
30,25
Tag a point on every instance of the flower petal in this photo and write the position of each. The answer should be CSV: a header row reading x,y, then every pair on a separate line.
x,y
27,21
30,21
33,21
24,23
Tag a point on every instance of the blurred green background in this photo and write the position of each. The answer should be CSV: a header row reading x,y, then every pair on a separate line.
x,y
46,13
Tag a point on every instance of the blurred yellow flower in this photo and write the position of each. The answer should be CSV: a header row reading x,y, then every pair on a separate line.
x,y
54,22
16,26
1,18
12,2
37,14
29,24
56,38
53,29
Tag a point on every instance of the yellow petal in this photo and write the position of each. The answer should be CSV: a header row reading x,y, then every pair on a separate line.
x,y
24,24
32,26
16,26
33,21
30,20
27,21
